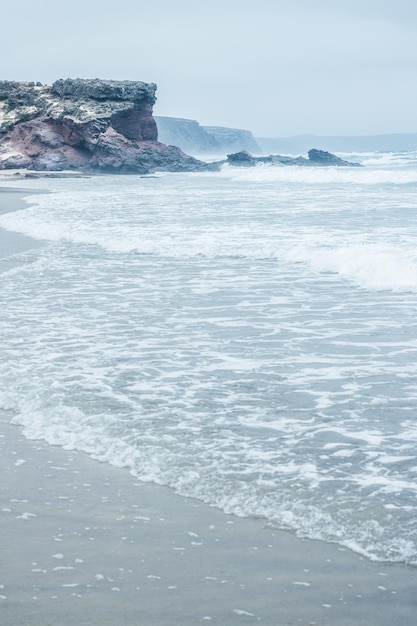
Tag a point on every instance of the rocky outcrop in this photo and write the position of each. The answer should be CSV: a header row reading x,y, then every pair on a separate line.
x,y
321,157
108,126
317,158
204,140
88,125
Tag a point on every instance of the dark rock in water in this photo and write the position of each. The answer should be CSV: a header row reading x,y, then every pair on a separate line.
x,y
321,157
315,158
88,125
244,159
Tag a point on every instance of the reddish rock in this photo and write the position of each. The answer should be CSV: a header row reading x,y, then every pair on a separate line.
x,y
89,125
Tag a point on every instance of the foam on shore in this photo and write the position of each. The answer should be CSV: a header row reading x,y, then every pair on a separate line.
x,y
84,542
14,244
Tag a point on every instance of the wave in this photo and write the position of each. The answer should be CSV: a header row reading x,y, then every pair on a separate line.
x,y
318,176
391,159
374,262
363,236
209,481
207,337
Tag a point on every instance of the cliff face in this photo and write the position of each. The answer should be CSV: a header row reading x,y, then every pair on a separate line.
x,y
187,134
196,139
366,143
231,139
89,125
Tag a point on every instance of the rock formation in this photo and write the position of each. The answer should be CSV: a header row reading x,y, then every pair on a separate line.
x,y
107,126
88,125
366,143
316,158
321,157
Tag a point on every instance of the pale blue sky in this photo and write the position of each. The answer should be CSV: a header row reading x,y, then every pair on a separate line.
x,y
276,67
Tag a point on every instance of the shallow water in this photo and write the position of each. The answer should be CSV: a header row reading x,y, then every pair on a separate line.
x,y
246,337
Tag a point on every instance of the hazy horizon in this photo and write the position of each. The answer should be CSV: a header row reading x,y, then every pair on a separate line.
x,y
277,68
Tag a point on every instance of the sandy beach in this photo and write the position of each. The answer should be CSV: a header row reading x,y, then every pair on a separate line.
x,y
13,244
86,543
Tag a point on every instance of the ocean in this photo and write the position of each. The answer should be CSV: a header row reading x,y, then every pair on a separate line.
x,y
246,337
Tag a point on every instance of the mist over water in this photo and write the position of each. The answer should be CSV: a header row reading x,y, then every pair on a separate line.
x,y
247,337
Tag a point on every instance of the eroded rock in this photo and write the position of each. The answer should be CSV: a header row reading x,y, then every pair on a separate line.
x,y
88,125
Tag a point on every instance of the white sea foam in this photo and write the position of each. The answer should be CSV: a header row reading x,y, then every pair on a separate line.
x,y
373,260
249,344
370,265
264,173
391,159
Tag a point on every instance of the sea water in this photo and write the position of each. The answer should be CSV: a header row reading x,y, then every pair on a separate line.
x,y
247,337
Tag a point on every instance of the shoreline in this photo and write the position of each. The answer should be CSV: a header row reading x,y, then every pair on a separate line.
x,y
13,244
87,543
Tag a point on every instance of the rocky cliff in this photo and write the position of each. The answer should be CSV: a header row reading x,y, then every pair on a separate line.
x,y
186,134
88,125
196,139
233,139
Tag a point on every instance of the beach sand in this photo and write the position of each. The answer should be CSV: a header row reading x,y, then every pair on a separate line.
x,y
86,543
12,244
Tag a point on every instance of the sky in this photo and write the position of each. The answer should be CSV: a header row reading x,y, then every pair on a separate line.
x,y
275,67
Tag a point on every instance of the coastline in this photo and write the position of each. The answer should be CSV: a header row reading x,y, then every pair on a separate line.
x,y
86,543
13,244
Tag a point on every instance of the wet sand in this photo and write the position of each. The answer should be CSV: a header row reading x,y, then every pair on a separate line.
x,y
12,244
86,543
